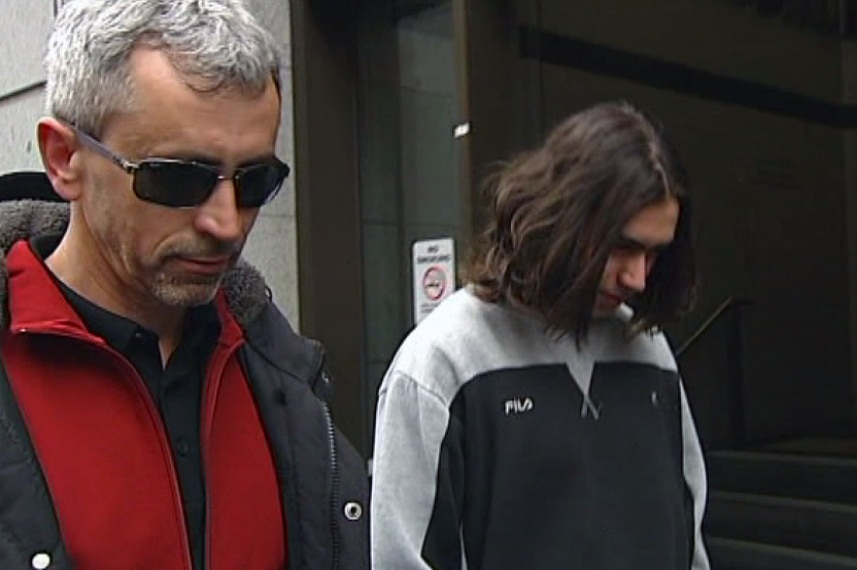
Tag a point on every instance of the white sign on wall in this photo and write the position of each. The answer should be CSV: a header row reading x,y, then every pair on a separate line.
x,y
434,274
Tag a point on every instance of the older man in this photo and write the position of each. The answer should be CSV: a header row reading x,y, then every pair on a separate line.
x,y
159,412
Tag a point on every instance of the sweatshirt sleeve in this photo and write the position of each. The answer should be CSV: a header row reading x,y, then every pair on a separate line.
x,y
694,474
414,523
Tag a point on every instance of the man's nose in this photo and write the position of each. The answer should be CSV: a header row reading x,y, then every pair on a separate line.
x,y
220,216
634,273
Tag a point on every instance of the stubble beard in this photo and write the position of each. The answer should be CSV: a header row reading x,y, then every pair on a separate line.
x,y
174,291
179,289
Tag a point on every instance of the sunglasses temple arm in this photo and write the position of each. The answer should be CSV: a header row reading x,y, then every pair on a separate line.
x,y
87,140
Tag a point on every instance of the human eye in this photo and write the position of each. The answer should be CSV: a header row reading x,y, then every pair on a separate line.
x,y
628,246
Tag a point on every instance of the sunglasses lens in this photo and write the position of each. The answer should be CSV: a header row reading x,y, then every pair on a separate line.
x,y
258,184
173,183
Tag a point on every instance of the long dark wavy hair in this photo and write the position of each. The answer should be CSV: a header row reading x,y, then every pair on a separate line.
x,y
557,211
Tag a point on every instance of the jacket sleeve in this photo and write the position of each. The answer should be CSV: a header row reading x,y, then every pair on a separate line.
x,y
694,474
417,480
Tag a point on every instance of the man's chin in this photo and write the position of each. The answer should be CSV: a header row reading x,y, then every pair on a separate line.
x,y
187,294
600,313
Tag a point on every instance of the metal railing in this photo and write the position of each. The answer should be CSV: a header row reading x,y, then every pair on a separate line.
x,y
735,349
718,313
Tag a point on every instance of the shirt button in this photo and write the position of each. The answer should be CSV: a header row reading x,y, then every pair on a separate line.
x,y
41,561
182,446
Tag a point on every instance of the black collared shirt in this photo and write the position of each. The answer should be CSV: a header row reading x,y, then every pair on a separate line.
x,y
175,388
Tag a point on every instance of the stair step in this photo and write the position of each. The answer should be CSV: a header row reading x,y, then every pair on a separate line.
x,y
728,554
796,523
828,479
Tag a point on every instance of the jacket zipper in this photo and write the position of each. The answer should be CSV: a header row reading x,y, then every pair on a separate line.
x,y
334,486
143,392
320,374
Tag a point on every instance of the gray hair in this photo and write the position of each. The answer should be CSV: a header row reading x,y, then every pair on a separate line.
x,y
213,44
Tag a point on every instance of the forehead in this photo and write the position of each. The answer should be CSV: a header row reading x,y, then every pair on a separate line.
x,y
170,115
655,224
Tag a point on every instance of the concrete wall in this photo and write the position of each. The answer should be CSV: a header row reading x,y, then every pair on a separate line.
x,y
24,28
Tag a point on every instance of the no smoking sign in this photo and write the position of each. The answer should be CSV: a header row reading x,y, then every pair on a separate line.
x,y
434,274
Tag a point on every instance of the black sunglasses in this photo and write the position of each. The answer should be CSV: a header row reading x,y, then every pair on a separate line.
x,y
186,184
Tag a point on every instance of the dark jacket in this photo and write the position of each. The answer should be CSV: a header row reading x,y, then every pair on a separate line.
x,y
324,485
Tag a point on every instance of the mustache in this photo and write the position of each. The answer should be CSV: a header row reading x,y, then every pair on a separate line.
x,y
205,248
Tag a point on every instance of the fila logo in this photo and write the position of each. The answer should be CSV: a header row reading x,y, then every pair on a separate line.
x,y
518,405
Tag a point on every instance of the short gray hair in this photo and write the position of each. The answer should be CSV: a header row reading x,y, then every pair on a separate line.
x,y
214,44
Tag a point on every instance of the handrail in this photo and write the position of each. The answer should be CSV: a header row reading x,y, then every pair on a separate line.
x,y
725,306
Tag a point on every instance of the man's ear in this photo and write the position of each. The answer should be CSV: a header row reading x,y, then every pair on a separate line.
x,y
61,157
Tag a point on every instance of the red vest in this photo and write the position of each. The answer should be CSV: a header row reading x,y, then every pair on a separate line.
x,y
104,450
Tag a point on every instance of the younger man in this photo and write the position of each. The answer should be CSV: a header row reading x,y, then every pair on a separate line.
x,y
535,419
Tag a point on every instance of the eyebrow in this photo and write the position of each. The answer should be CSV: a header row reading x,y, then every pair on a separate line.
x,y
627,242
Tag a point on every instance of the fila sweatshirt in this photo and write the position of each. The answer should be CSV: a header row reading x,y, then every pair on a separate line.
x,y
500,445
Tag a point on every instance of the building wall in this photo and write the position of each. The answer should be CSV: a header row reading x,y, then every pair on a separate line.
x,y
713,35
849,159
409,192
24,28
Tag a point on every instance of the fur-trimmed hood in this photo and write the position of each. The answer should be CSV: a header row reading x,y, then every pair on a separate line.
x,y
244,286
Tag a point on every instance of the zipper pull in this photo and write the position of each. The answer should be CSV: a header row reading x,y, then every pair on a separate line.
x,y
323,386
